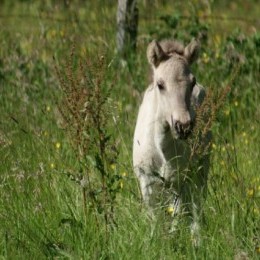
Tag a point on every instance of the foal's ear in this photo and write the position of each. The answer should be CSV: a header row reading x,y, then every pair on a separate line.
x,y
191,51
155,53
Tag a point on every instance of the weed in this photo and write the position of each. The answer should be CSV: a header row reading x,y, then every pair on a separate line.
x,y
86,109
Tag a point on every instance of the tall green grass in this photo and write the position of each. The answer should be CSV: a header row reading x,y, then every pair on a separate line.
x,y
42,213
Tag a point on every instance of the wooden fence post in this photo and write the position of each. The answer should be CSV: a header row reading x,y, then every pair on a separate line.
x,y
127,23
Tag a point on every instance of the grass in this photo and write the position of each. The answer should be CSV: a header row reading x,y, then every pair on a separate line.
x,y
42,212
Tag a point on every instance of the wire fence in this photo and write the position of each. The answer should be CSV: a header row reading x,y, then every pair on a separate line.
x,y
220,18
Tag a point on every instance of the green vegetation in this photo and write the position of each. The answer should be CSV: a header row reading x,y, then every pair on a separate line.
x,y
68,106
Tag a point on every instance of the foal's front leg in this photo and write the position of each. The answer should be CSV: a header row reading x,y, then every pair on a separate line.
x,y
151,185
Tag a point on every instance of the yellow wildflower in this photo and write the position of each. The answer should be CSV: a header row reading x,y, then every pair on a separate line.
x,y
250,192
48,108
124,174
227,112
52,165
205,57
170,209
244,134
112,166
57,145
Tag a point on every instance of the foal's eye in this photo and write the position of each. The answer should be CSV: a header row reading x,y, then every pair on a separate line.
x,y
160,86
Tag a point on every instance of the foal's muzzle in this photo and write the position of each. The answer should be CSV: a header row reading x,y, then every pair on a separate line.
x,y
183,129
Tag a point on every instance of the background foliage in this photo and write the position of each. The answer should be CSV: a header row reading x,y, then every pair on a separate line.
x,y
47,208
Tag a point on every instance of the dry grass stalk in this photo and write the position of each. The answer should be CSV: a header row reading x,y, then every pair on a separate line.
x,y
205,116
86,112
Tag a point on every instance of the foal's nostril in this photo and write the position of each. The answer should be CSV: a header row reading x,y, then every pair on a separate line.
x,y
183,129
178,127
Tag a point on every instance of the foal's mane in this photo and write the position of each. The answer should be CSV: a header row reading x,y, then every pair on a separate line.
x,y
172,46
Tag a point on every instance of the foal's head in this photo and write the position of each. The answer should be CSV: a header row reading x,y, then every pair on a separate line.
x,y
173,83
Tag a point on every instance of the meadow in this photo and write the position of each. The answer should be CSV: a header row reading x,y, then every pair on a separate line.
x,y
68,105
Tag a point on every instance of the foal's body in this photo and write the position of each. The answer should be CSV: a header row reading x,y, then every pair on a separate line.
x,y
159,158
165,119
